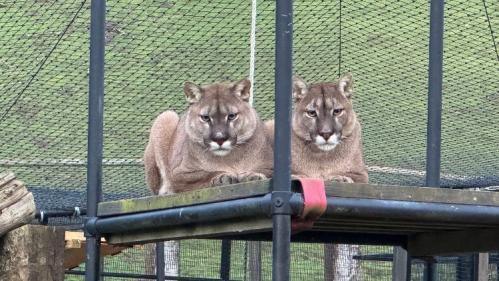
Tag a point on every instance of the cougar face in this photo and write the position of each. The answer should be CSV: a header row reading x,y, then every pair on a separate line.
x,y
323,112
219,117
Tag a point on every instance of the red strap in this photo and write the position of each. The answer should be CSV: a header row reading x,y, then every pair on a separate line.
x,y
314,203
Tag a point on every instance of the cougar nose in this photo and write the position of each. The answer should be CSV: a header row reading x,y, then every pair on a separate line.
x,y
325,135
220,139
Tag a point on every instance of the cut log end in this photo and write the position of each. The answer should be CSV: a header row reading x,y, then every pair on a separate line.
x,y
17,205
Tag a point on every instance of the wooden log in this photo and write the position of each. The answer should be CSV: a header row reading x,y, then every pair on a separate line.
x,y
401,266
481,266
254,264
11,190
32,252
17,205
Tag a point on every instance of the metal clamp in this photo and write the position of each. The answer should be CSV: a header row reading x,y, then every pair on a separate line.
x,y
90,228
281,203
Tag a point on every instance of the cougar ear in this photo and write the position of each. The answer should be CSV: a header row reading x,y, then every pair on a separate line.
x,y
345,85
300,88
242,89
192,92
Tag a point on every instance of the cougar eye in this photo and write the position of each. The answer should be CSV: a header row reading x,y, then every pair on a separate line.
x,y
232,116
312,113
337,111
205,118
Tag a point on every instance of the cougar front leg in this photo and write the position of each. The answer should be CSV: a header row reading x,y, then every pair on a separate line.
x,y
224,179
250,176
341,179
297,177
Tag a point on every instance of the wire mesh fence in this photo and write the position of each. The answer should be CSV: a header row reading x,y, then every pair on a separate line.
x,y
201,259
153,46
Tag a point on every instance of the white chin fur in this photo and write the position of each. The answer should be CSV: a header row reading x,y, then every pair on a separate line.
x,y
220,152
328,145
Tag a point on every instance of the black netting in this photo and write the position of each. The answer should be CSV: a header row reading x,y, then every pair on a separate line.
x,y
201,258
153,46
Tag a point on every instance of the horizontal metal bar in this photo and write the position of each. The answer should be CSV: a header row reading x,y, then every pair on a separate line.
x,y
240,208
419,212
331,237
143,276
440,260
384,223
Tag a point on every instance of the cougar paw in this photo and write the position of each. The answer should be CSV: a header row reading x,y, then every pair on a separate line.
x,y
297,177
342,179
245,177
223,179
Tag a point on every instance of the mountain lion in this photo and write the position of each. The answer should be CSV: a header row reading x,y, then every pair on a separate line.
x,y
326,136
219,140
326,143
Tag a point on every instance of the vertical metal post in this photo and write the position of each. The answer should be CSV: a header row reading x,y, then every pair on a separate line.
x,y
433,140
225,260
463,268
160,261
95,134
435,76
430,271
281,210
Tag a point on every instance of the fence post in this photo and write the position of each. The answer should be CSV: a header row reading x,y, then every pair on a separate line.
x,y
281,189
435,75
401,268
95,134
225,260
254,260
160,261
480,267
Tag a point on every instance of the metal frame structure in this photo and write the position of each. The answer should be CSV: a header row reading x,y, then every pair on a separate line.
x,y
281,203
95,134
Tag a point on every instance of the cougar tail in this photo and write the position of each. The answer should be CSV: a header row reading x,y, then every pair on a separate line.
x,y
157,151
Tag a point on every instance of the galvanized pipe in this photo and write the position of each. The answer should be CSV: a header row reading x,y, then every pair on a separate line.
x,y
95,133
160,261
282,148
240,208
421,212
435,76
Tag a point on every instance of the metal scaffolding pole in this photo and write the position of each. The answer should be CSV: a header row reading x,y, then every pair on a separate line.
x,y
435,75
281,194
95,134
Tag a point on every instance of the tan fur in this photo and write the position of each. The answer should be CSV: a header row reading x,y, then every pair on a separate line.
x,y
343,163
179,155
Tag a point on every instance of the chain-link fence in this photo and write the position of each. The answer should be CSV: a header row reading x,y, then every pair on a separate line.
x,y
153,46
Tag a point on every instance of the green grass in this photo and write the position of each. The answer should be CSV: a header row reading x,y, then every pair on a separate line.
x,y
153,46
201,258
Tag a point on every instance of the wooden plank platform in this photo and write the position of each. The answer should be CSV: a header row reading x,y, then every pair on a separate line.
x,y
411,216
202,196
74,249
